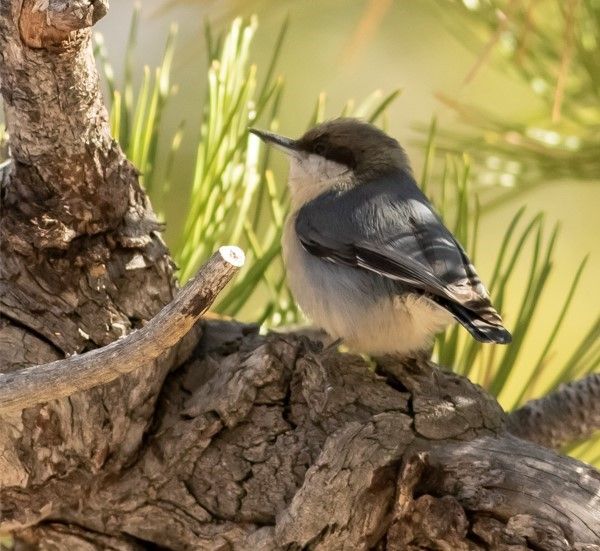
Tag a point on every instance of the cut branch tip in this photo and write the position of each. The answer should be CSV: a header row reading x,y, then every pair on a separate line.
x,y
233,255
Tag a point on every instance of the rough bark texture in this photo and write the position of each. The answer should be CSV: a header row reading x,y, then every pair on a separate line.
x,y
571,413
41,383
254,442
261,443
82,262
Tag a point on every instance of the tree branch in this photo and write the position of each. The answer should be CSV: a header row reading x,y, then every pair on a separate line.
x,y
241,456
570,413
80,243
507,477
42,383
69,174
83,263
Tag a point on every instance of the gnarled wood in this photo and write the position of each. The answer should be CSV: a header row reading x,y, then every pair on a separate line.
x,y
83,263
241,454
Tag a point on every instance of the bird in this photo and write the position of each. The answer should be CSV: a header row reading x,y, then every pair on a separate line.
x,y
368,259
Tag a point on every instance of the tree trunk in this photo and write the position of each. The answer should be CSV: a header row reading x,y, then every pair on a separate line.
x,y
253,442
82,261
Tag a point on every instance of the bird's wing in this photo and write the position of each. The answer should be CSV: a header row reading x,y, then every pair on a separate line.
x,y
388,226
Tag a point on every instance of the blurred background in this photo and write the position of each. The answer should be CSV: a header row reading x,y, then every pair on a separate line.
x,y
496,101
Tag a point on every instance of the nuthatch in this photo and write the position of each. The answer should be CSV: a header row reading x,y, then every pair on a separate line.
x,y
367,258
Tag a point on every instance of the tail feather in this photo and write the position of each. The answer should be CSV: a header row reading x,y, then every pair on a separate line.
x,y
482,322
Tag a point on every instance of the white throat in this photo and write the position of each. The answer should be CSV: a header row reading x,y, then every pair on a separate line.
x,y
311,175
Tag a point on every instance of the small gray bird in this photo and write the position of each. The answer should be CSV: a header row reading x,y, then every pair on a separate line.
x,y
367,258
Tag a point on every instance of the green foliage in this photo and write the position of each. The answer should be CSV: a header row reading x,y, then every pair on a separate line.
x,y
237,198
234,196
227,169
3,144
553,48
492,366
136,118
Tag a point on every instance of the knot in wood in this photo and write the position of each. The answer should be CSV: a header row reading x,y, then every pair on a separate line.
x,y
46,23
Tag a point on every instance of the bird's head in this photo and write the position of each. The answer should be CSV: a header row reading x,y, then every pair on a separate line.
x,y
341,152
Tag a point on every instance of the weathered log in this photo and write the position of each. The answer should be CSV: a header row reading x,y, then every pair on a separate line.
x,y
244,454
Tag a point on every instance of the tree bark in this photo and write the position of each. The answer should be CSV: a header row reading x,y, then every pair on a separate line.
x,y
208,435
30,386
572,413
82,260
259,442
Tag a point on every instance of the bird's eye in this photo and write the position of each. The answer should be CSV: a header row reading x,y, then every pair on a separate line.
x,y
320,148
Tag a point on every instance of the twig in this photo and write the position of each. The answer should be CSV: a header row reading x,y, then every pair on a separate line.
x,y
42,383
371,18
570,413
503,20
565,61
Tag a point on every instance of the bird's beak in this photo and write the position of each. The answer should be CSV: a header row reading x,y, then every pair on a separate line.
x,y
287,145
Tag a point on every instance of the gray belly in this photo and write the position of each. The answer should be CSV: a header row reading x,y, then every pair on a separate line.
x,y
370,313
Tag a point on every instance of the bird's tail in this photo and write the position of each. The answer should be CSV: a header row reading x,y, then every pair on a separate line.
x,y
480,319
